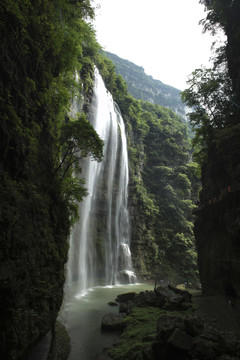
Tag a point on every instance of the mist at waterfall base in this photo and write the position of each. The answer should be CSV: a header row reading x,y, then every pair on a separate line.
x,y
99,262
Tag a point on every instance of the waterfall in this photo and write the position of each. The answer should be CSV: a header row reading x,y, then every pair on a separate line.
x,y
99,251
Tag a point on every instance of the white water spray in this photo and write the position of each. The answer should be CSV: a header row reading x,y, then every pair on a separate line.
x,y
99,246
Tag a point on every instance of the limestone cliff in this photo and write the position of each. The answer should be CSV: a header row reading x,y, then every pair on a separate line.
x,y
217,230
217,224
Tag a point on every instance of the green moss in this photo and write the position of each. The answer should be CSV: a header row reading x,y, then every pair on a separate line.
x,y
140,331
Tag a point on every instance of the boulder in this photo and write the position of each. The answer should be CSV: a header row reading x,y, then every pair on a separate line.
x,y
232,343
113,321
186,294
177,346
166,325
215,338
190,338
193,325
148,354
126,307
180,340
149,298
173,300
112,303
122,298
203,349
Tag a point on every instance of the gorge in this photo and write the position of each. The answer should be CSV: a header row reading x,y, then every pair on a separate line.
x,y
149,209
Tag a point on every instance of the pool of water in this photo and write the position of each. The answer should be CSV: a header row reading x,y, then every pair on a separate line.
x,y
82,314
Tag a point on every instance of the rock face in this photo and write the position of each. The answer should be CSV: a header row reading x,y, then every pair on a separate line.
x,y
144,87
217,226
217,230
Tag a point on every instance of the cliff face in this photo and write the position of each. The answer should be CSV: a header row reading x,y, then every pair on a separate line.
x,y
217,230
217,225
37,60
33,252
144,87
160,196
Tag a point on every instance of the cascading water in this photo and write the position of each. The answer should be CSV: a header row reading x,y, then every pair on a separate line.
x,y
99,246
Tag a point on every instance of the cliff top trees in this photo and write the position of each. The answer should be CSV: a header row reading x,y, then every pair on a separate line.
x,y
213,96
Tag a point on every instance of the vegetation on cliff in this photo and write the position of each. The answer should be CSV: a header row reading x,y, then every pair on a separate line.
x,y
214,95
144,87
42,44
163,185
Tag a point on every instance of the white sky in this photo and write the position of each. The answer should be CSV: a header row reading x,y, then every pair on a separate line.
x,y
162,36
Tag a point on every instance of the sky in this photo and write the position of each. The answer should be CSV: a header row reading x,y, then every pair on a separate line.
x,y
162,36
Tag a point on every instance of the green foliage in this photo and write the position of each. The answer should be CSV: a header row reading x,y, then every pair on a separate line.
x,y
43,43
163,184
209,97
78,140
213,96
218,14
114,83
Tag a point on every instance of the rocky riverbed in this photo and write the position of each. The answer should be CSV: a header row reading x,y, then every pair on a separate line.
x,y
169,324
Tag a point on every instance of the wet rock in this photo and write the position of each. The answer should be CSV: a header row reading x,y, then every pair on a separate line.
x,y
149,298
203,349
166,325
126,276
227,357
215,338
161,297
179,343
112,303
122,298
232,344
113,321
177,346
186,294
189,338
173,301
126,307
194,325
148,354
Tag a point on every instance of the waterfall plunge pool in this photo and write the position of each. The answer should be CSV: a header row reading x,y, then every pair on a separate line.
x,y
81,314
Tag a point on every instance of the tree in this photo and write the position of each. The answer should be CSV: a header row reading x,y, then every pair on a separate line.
x,y
225,14
78,140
